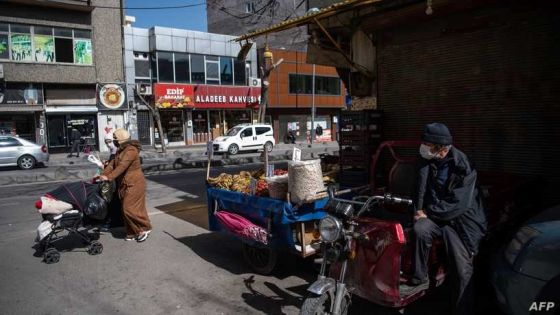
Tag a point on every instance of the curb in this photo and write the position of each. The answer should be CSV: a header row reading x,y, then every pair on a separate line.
x,y
61,173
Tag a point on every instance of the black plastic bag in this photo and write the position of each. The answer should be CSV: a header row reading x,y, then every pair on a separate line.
x,y
96,207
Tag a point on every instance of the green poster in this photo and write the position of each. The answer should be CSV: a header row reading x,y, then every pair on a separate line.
x,y
44,48
4,52
83,53
21,47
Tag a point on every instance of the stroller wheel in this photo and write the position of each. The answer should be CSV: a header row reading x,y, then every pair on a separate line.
x,y
51,256
95,248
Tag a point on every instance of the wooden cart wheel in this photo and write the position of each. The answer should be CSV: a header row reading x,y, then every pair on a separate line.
x,y
261,259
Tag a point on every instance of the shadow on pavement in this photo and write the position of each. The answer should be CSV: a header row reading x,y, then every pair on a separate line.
x,y
225,252
272,304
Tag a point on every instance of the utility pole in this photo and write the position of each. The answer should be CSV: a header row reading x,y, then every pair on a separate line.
x,y
269,65
312,133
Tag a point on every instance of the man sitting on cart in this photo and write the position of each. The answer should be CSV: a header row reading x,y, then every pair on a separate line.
x,y
448,206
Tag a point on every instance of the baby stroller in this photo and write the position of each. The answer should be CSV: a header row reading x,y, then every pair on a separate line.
x,y
73,208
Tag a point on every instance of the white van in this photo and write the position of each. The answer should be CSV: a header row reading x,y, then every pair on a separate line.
x,y
245,137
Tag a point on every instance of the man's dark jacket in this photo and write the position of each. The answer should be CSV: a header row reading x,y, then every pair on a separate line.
x,y
460,204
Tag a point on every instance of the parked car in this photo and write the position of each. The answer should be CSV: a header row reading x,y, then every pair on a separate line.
x,y
25,154
521,270
245,137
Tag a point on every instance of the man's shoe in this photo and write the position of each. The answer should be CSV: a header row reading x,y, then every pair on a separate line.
x,y
143,236
413,287
69,155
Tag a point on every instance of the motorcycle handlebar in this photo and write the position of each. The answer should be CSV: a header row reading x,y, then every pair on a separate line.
x,y
387,198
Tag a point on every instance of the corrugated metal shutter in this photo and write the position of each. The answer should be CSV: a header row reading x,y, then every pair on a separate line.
x,y
492,75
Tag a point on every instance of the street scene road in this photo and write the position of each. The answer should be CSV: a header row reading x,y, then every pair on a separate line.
x,y
182,268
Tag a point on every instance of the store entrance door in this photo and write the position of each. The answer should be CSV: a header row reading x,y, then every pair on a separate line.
x,y
59,128
56,131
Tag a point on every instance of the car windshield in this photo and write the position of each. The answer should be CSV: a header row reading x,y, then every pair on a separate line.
x,y
233,131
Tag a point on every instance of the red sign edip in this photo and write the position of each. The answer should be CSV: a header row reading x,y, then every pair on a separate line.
x,y
168,95
206,96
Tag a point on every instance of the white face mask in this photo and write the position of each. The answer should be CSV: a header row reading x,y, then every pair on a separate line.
x,y
426,152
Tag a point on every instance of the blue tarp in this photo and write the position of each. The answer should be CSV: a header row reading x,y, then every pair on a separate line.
x,y
260,210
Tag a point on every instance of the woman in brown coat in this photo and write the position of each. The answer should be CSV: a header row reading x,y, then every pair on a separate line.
x,y
125,168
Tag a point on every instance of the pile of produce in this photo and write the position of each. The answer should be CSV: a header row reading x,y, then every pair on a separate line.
x,y
242,182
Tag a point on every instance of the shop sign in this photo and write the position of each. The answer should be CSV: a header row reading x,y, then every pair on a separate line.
x,y
205,96
21,94
111,96
173,95
212,96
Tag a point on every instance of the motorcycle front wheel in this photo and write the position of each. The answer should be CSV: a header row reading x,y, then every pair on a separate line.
x,y
322,304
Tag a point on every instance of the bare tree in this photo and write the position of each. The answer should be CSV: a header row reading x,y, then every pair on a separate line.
x,y
269,65
155,113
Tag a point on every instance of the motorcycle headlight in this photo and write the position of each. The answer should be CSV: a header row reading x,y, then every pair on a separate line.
x,y
330,229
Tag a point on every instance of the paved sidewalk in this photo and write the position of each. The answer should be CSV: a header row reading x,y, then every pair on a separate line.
x,y
62,168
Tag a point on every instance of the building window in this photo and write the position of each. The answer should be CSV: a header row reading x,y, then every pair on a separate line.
x,y
240,72
165,66
212,70
45,44
300,84
303,84
141,65
327,85
197,69
182,72
153,65
83,52
4,41
63,46
250,7
226,71
20,40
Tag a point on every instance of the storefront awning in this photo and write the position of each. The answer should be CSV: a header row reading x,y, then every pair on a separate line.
x,y
71,109
21,108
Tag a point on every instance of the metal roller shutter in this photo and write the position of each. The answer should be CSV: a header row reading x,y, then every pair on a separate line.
x,y
492,75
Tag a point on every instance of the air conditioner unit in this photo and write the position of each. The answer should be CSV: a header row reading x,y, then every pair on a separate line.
x,y
144,88
254,82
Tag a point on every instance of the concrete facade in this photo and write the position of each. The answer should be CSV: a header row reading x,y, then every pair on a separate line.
x,y
68,87
143,45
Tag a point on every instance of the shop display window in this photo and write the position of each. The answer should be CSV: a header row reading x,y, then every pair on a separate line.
x,y
237,117
21,125
172,123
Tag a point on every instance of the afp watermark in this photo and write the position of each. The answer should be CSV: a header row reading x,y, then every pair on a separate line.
x,y
542,306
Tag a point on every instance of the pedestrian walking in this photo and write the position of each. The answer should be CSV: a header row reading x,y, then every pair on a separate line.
x,y
126,170
75,137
